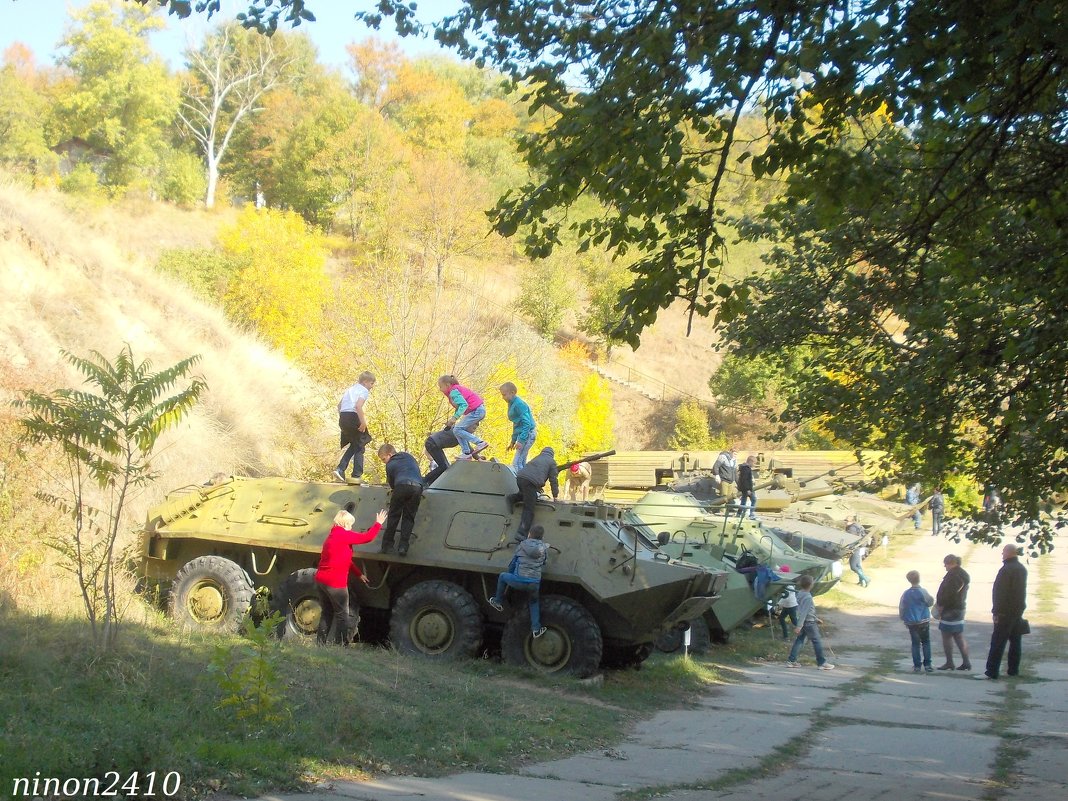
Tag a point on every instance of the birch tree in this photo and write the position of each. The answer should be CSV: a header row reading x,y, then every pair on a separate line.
x,y
228,76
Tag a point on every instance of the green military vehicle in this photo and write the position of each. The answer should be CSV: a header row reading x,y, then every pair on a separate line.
x,y
606,591
689,531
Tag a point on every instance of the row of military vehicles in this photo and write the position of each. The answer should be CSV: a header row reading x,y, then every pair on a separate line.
x,y
619,581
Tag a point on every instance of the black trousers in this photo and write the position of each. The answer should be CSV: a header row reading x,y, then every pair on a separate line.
x,y
335,619
528,494
435,445
403,505
1006,632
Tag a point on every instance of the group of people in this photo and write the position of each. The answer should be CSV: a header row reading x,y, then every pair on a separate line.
x,y
733,478
468,410
406,482
917,609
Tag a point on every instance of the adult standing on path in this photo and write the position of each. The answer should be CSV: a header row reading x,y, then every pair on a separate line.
x,y
352,420
1010,601
951,601
937,506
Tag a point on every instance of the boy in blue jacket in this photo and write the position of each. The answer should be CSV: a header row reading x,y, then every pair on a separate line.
x,y
915,612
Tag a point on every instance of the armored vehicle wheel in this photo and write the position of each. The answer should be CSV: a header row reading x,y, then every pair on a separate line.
x,y
700,638
437,619
626,656
211,593
571,644
297,598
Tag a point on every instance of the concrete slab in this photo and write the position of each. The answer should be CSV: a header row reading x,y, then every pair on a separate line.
x,y
464,787
1048,670
679,749
942,713
836,785
782,699
926,754
1033,790
1044,721
1045,763
846,670
1049,695
958,686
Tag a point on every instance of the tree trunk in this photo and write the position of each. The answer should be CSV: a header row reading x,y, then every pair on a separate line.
x,y
213,183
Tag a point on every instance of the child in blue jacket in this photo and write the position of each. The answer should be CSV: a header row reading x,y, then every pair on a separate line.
x,y
915,612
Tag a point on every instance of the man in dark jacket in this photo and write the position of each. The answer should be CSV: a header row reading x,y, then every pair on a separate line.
x,y
403,477
1010,600
745,488
531,479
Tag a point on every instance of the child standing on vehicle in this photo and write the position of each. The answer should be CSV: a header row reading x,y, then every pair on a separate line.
x,y
808,628
469,410
524,430
524,574
914,608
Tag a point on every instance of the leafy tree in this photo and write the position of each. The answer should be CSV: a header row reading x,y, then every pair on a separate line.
x,y
594,419
546,295
605,280
279,286
23,110
124,100
429,107
374,63
227,77
106,435
182,180
692,430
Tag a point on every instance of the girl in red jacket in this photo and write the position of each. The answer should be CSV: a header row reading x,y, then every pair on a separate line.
x,y
332,577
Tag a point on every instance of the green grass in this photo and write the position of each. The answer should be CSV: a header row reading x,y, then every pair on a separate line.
x,y
152,705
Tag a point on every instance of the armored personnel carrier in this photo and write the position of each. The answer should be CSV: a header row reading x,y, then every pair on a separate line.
x,y
606,592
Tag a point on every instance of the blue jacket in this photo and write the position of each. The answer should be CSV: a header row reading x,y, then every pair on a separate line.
x,y
915,606
522,419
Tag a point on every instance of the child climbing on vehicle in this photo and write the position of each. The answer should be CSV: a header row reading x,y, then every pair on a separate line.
x,y
469,410
524,575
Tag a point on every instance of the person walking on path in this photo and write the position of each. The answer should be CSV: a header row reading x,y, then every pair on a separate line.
x,y
856,563
951,601
1010,601
787,610
746,494
524,430
809,628
468,412
530,481
937,505
912,498
406,483
352,420
914,609
332,578
524,575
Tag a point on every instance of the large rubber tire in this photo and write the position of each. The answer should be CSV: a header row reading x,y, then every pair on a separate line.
x,y
671,641
625,657
211,593
572,643
438,619
297,599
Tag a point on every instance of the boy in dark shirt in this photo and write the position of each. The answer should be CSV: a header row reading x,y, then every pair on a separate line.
x,y
530,480
404,478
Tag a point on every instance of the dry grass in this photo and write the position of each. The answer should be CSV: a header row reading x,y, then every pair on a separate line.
x,y
67,281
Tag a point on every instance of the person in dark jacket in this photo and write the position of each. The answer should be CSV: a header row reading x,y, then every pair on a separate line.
x,y
530,480
1010,601
435,446
404,478
332,578
951,601
524,575
746,495
937,506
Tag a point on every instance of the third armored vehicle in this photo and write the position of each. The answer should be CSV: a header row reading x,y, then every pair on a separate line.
x,y
607,593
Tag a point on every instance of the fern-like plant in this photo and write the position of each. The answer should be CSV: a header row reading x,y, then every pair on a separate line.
x,y
106,435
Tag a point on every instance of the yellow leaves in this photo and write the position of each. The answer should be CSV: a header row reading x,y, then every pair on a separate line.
x,y
594,419
280,286
493,118
431,109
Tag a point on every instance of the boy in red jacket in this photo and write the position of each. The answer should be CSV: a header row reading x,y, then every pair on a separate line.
x,y
332,577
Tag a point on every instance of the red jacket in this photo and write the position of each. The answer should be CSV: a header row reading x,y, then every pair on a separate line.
x,y
335,564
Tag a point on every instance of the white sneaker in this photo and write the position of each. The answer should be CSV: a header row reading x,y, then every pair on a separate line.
x,y
793,664
496,604
539,632
339,476
826,666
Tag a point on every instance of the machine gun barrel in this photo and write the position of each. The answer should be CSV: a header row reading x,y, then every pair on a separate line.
x,y
593,457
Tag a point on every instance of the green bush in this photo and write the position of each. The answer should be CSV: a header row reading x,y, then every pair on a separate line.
x,y
183,181
204,270
83,182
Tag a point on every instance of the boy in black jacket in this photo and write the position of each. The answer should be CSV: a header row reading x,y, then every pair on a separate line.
x,y
531,479
404,478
